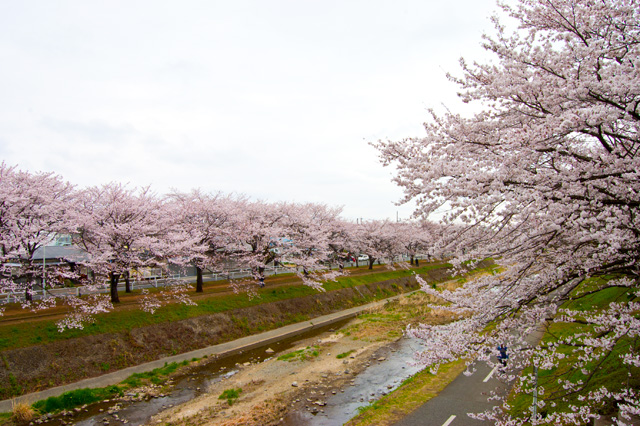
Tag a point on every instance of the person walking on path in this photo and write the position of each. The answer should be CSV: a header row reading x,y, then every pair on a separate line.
x,y
503,356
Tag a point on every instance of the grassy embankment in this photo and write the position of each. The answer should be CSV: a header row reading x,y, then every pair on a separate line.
x,y
83,397
591,297
611,373
37,331
41,331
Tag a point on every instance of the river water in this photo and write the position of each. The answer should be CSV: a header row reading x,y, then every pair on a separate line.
x,y
385,373
185,387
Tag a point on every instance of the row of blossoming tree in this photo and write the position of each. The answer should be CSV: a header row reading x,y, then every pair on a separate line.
x,y
546,177
120,230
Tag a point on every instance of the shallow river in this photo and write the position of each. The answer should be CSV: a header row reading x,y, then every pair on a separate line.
x,y
378,379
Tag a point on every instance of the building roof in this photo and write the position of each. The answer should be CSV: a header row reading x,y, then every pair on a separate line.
x,y
68,253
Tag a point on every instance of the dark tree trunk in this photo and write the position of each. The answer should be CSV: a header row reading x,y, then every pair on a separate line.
x,y
417,264
199,288
113,286
74,278
27,294
371,261
127,282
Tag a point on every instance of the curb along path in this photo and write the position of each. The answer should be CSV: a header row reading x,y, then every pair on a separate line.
x,y
220,350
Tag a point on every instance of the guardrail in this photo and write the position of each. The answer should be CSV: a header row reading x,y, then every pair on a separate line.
x,y
160,281
147,282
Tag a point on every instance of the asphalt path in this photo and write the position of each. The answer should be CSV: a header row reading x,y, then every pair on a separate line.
x,y
466,394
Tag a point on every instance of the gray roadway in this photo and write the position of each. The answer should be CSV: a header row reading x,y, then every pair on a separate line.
x,y
466,394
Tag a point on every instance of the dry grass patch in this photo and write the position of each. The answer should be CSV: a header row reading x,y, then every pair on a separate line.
x,y
22,412
387,321
267,413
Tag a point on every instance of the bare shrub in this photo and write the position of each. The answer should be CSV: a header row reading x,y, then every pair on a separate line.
x,y
22,412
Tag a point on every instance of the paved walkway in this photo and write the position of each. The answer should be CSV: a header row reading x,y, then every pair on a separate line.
x,y
223,349
465,394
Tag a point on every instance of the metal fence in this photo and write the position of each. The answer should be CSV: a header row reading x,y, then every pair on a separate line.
x,y
162,280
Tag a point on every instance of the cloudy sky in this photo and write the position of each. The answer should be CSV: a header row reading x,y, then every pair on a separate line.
x,y
277,100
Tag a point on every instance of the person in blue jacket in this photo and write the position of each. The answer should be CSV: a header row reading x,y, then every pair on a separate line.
x,y
503,355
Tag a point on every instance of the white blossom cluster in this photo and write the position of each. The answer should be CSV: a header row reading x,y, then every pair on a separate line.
x,y
545,179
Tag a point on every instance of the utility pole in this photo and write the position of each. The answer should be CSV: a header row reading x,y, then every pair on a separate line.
x,y
535,392
44,269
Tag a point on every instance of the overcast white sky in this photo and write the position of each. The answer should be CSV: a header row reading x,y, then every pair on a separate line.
x,y
274,99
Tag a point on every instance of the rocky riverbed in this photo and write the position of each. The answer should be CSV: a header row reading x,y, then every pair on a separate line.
x,y
280,389
306,381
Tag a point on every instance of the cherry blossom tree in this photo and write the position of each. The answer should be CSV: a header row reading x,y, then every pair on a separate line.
x,y
33,209
313,232
295,236
204,219
259,235
340,242
377,239
121,229
545,178
415,238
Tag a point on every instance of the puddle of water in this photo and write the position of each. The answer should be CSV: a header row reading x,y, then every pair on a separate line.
x,y
380,378
185,387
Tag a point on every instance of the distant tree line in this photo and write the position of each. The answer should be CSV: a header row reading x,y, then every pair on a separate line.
x,y
122,229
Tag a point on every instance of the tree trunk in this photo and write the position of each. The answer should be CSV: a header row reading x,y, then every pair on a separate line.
x,y
127,282
27,294
75,279
417,264
371,261
113,281
199,288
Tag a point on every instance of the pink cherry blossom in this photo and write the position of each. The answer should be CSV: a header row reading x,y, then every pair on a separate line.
x,y
545,178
